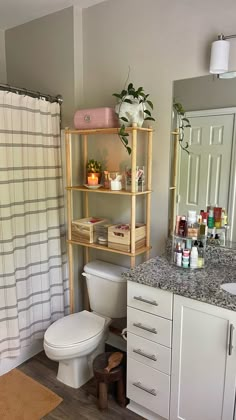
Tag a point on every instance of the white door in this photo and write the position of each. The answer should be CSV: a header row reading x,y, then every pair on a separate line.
x,y
204,173
203,372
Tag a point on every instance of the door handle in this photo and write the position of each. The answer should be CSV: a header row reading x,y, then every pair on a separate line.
x,y
144,388
143,327
141,299
147,355
231,333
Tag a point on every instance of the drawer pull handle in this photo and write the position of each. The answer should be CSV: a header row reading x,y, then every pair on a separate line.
x,y
231,333
141,299
144,388
148,356
139,325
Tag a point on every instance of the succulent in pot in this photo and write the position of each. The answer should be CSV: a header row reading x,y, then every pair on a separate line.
x,y
133,107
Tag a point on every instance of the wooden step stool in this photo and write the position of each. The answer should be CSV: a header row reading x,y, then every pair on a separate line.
x,y
104,378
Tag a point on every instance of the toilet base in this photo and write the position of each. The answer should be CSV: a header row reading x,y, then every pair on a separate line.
x,y
74,372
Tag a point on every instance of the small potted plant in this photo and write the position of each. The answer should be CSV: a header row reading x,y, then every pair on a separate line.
x,y
94,168
133,107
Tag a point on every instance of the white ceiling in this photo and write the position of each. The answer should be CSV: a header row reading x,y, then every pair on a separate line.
x,y
17,12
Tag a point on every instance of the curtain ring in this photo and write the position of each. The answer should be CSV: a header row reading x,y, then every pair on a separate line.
x,y
59,99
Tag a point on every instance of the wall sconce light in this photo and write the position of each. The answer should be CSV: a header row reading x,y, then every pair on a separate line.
x,y
219,63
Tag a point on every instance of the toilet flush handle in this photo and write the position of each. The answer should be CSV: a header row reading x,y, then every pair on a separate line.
x,y
86,275
124,334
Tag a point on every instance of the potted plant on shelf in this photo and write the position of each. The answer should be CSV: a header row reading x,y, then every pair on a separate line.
x,y
94,169
133,107
182,123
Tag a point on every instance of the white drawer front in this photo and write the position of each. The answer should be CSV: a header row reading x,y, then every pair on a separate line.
x,y
149,326
148,387
149,353
150,299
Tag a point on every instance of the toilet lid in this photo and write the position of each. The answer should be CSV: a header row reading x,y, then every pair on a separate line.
x,y
74,329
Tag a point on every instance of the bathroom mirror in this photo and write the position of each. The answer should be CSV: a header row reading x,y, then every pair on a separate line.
x,y
207,174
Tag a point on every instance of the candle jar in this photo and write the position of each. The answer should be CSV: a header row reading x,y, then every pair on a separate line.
x,y
139,178
93,178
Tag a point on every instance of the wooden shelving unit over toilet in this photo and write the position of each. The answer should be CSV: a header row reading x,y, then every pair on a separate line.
x,y
83,135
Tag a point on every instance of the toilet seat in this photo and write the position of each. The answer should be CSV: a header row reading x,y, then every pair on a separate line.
x,y
70,331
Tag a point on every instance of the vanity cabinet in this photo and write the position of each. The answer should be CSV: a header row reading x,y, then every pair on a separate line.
x,y
149,336
181,356
203,361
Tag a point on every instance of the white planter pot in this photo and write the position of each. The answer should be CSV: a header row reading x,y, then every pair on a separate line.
x,y
133,112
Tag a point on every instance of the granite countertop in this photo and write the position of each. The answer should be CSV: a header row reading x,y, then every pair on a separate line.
x,y
200,284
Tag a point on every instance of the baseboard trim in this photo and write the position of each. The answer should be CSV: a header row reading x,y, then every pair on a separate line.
x,y
143,412
26,353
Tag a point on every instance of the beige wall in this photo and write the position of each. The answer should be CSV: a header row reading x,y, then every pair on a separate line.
x,y
40,56
161,41
3,72
207,92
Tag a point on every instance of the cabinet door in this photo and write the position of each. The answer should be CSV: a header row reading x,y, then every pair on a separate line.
x,y
203,372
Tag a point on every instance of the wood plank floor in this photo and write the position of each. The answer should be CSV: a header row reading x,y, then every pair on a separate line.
x,y
77,404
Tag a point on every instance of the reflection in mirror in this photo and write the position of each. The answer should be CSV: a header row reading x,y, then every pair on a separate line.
x,y
206,175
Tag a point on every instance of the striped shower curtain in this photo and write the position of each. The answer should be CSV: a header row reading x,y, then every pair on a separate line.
x,y
33,268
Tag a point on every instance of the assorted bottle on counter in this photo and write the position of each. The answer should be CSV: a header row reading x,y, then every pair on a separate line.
x,y
189,253
192,233
212,224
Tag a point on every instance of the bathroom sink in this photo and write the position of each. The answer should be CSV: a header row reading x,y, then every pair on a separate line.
x,y
229,287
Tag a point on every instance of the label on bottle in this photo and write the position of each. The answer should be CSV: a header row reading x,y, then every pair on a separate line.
x,y
210,222
192,232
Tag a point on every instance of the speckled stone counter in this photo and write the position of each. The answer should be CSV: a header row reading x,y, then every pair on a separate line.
x,y
200,284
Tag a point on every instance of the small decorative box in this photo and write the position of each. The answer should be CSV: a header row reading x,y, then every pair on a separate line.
x,y
83,230
119,237
95,118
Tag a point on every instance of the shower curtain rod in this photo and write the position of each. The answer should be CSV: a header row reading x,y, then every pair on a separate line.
x,y
32,93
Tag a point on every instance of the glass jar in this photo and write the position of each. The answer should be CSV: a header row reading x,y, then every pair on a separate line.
x,y
139,178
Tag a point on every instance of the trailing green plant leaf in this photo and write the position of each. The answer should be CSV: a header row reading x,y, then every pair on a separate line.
x,y
149,119
123,138
150,104
183,123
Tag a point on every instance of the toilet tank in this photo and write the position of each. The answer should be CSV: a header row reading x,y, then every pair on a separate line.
x,y
106,288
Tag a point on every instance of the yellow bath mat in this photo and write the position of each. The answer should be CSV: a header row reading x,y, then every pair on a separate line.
x,y
22,398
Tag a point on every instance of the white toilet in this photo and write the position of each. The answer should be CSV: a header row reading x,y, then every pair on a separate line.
x,y
75,340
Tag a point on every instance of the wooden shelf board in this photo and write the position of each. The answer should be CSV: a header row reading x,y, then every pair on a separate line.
x,y
105,248
107,191
105,130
